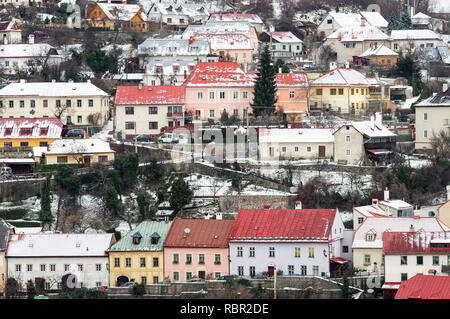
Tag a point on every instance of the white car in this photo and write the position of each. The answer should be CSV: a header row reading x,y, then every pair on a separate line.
x,y
5,171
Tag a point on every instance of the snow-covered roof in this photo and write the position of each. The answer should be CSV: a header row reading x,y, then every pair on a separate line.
x,y
170,67
381,50
174,47
121,12
59,245
149,95
78,146
63,89
219,74
37,128
395,203
296,135
284,37
291,80
249,17
358,33
378,225
439,99
371,210
217,27
439,6
375,19
377,130
227,41
414,34
10,25
343,77
128,76
26,50
420,15
346,19
191,10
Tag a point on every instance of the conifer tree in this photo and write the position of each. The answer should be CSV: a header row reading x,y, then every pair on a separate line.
x,y
265,86
393,22
405,22
45,214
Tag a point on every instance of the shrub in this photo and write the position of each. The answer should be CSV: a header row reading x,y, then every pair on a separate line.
x,y
138,290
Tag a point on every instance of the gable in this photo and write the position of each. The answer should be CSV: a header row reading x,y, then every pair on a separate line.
x,y
96,12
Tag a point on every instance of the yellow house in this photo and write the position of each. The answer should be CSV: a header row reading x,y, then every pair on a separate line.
x,y
121,17
29,132
5,231
138,256
79,151
348,91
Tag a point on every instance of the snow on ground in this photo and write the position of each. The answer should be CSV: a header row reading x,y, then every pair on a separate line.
x,y
104,134
439,6
408,102
276,9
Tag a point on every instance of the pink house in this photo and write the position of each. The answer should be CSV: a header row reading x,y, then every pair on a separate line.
x,y
197,248
216,86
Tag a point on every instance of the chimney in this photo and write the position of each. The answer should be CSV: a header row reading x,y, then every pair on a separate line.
x,y
375,201
347,64
445,87
386,194
23,81
448,192
31,39
411,229
298,205
363,21
53,80
279,70
266,206
140,86
378,118
185,74
372,122
219,216
333,65
5,40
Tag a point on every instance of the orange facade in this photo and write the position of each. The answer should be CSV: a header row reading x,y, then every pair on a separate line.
x,y
98,19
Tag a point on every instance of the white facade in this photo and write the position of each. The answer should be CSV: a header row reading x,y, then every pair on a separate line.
x,y
407,40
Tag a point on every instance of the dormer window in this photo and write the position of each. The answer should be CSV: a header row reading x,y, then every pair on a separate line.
x,y
155,238
370,236
137,238
8,131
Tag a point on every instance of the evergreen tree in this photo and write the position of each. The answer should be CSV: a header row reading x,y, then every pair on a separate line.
x,y
393,22
279,63
180,194
31,290
405,21
265,86
143,204
112,202
45,214
224,117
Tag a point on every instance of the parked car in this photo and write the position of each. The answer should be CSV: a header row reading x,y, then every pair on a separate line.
x,y
76,133
167,138
144,138
195,280
6,171
128,284
227,277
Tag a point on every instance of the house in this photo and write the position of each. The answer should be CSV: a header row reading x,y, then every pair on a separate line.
x,y
283,44
157,50
146,109
352,41
348,91
213,87
6,230
368,241
292,95
173,72
407,254
29,132
53,255
380,56
405,41
305,242
432,117
79,151
230,46
424,287
26,57
336,20
10,32
364,141
242,27
295,143
178,14
75,103
118,17
438,55
197,248
138,255
421,21
444,209
252,18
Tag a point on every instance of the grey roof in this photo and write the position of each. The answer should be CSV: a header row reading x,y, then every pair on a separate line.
x,y
4,234
439,99
173,47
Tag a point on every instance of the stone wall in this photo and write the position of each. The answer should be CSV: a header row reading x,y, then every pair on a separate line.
x,y
234,203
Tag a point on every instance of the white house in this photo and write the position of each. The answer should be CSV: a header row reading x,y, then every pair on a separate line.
x,y
296,241
252,18
53,255
10,32
407,40
178,14
284,43
167,72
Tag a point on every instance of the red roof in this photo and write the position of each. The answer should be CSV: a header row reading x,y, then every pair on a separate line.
x,y
416,242
37,127
340,260
425,287
199,233
283,224
291,79
219,74
163,94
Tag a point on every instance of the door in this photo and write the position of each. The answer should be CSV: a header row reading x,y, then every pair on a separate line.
x,y
270,151
270,271
201,274
321,150
121,280
87,161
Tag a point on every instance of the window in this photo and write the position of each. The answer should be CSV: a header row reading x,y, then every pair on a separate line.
x,y
79,119
18,267
53,267
67,266
80,267
271,251
217,259
315,270
29,267
155,262
211,113
240,270
360,220
348,152
296,148
239,251
236,112
22,103
245,95
308,148
252,271
153,125
201,258
152,110
318,91
252,252
175,259
332,91
23,144
235,94
128,262
32,103
1,104
291,94
347,138
142,262
404,277
102,158
303,270
425,133
345,249
176,276
290,269
42,267
311,252
90,103
68,103
222,95
188,258
297,252
370,236
366,259
130,125
47,286
188,275
199,95
61,159
283,149
129,110
341,91
329,21
69,120
435,260
98,267
79,103
11,104
419,260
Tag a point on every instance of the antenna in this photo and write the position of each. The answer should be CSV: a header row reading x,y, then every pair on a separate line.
x,y
187,230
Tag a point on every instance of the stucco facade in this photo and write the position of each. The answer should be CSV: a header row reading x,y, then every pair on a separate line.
x,y
348,145
430,120
365,258
444,213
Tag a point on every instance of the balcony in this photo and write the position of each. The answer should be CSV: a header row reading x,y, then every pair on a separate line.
x,y
177,115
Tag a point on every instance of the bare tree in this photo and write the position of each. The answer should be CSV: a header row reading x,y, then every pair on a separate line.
x,y
440,144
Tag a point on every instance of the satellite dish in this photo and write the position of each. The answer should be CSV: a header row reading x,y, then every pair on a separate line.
x,y
187,230
374,8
